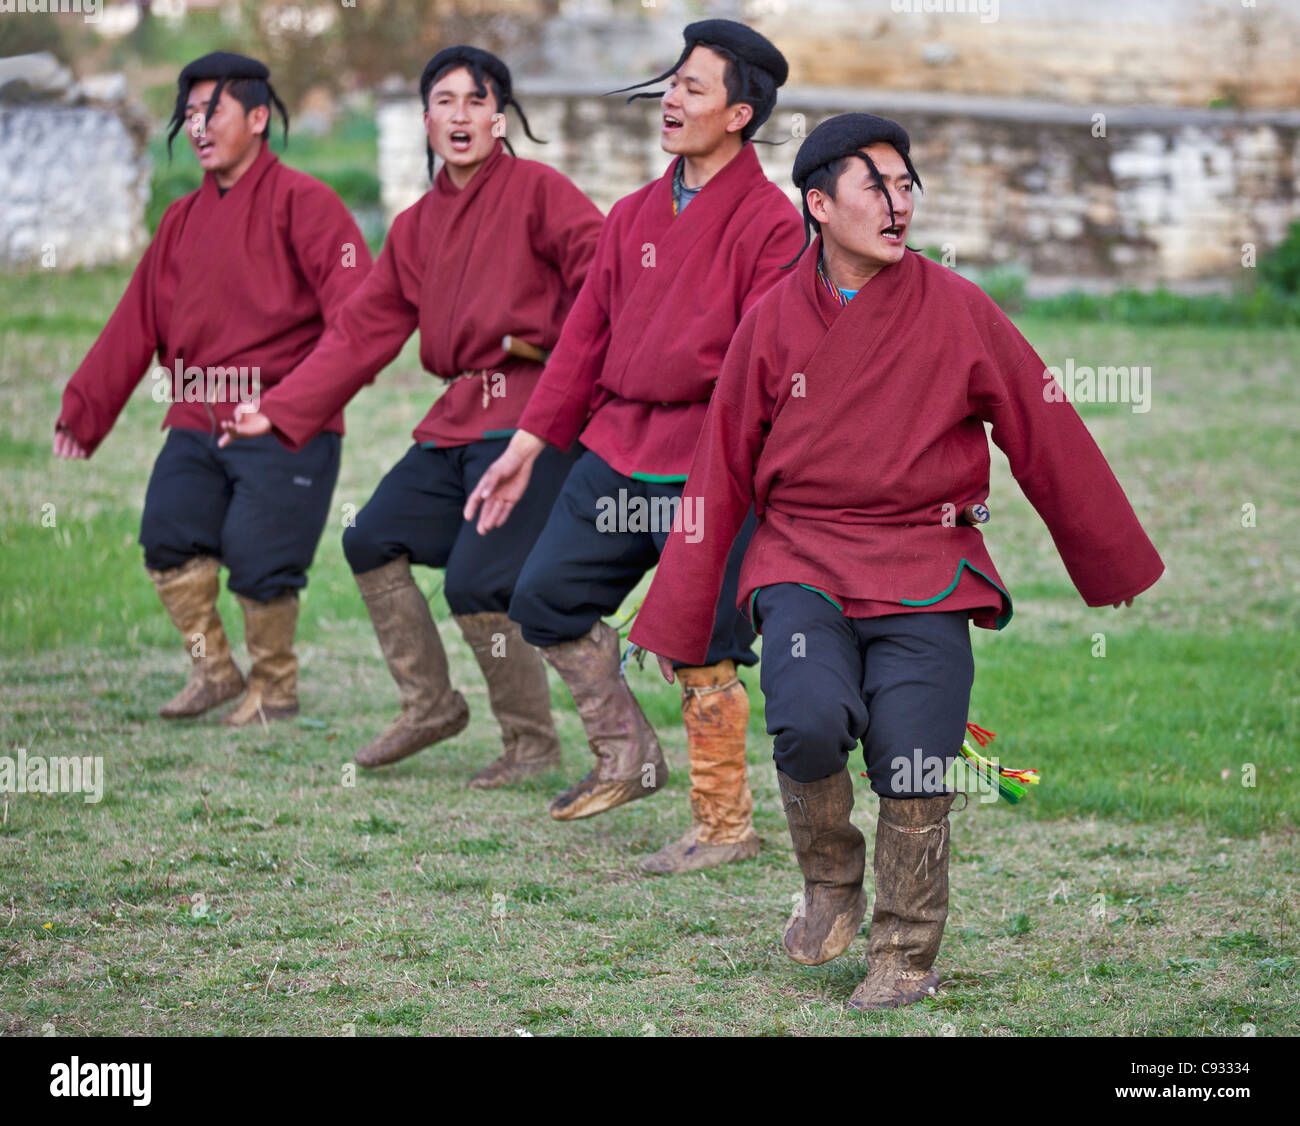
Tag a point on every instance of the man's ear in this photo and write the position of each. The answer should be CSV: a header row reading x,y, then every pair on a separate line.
x,y
817,205
742,113
259,118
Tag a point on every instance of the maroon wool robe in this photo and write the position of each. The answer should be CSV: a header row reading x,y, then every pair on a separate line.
x,y
505,255
642,348
851,428
247,279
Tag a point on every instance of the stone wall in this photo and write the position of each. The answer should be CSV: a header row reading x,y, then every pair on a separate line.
x,y
1165,195
74,168
1155,52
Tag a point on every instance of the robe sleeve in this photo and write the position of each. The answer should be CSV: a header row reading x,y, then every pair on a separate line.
x,y
565,227
783,244
1062,472
101,385
676,618
329,247
363,337
560,404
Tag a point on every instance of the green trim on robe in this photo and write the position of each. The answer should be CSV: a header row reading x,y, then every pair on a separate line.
x,y
498,433
661,478
754,595
1000,622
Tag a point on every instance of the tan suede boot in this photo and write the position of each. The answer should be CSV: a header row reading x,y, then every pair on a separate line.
x,y
715,710
832,854
629,762
520,699
189,594
431,709
273,675
911,866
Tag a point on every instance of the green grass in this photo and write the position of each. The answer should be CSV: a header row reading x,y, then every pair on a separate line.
x,y
1142,889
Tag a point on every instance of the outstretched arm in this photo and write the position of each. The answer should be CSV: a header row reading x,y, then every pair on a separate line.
x,y
101,385
1064,475
364,336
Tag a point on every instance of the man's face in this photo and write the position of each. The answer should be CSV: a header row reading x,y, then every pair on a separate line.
x,y
857,219
458,122
227,138
696,117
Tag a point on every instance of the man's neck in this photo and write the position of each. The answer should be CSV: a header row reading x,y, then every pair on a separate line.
x,y
848,271
461,176
228,178
699,170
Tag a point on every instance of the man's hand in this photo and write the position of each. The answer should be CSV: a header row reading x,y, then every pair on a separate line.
x,y
65,445
247,423
505,481
666,667
1126,602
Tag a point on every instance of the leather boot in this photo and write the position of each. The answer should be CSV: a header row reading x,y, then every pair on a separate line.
x,y
520,699
629,762
431,709
715,710
189,594
832,854
273,674
911,864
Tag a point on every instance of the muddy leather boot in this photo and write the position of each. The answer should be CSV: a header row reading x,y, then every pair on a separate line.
x,y
911,868
273,675
520,699
189,594
715,710
832,854
629,762
431,709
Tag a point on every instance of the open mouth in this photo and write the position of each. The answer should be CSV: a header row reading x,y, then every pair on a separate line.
x,y
205,146
671,123
460,140
894,233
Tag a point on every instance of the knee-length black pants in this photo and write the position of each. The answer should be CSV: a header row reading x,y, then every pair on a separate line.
x,y
255,505
417,510
899,684
588,559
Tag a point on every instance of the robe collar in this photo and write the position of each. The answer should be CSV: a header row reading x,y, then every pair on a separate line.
x,y
824,301
266,159
741,167
442,181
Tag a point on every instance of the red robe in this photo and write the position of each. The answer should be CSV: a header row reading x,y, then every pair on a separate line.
x,y
642,348
505,255
850,428
242,280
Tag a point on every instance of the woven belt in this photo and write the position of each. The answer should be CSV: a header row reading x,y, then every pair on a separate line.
x,y
484,374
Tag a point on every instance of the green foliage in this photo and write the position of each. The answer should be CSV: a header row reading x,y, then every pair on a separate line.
x,y
1280,267
1246,309
170,182
357,187
1005,285
25,34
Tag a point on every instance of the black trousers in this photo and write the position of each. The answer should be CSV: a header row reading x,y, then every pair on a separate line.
x,y
586,562
417,511
900,684
254,505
